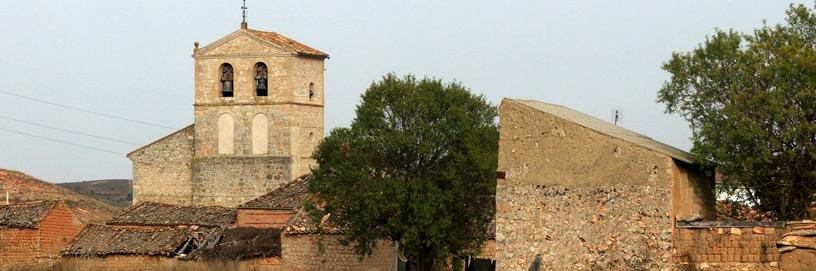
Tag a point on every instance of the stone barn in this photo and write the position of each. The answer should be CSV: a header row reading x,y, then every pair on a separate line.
x,y
34,233
579,193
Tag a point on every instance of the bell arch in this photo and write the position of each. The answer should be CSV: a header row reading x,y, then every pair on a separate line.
x,y
227,85
261,79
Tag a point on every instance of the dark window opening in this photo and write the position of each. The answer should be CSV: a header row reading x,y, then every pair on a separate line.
x,y
226,80
311,91
261,80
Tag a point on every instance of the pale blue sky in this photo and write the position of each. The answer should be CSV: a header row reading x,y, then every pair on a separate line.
x,y
132,59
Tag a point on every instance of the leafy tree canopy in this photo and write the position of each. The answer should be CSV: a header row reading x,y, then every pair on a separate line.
x,y
417,167
751,103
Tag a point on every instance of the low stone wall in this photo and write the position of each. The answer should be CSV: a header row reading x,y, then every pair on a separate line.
x,y
729,245
324,252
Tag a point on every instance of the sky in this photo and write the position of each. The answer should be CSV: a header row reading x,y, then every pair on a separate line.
x,y
132,60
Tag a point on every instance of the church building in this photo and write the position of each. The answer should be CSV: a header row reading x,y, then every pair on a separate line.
x,y
258,118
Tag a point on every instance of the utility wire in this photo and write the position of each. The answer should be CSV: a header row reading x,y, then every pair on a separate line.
x,y
86,111
70,131
60,141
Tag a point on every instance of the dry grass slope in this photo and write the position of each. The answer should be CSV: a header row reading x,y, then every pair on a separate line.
x,y
23,188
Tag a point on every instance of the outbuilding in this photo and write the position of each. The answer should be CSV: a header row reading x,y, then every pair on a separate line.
x,y
578,193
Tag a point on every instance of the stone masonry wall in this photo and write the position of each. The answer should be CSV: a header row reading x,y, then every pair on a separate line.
x,y
303,252
582,199
618,227
231,181
162,171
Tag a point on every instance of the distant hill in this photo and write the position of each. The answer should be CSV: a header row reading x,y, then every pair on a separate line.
x,y
116,192
22,187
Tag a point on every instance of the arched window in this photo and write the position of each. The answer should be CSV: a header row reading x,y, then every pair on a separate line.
x,y
260,138
226,80
226,128
261,79
311,91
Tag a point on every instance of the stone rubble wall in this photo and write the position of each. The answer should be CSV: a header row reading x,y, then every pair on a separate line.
x,y
231,181
620,227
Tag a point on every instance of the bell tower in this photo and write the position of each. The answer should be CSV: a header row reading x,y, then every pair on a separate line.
x,y
258,115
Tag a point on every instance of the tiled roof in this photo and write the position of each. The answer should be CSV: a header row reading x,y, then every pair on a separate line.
x,y
25,215
287,43
160,214
288,197
241,243
100,240
606,128
302,223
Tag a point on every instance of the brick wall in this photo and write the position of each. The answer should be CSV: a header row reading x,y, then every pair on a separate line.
x,y
726,247
301,253
19,246
37,246
260,218
56,230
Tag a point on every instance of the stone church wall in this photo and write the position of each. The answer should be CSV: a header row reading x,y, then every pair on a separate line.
x,y
162,170
231,181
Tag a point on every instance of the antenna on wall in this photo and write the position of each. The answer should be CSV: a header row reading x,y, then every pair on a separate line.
x,y
617,115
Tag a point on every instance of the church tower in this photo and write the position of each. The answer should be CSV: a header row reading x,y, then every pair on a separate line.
x,y
258,117
258,114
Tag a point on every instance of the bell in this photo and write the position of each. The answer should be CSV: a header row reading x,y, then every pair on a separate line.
x,y
226,86
261,83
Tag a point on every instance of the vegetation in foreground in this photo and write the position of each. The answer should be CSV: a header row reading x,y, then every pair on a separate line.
x,y
417,167
751,103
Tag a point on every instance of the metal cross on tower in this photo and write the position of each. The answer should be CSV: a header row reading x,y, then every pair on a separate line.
x,y
243,15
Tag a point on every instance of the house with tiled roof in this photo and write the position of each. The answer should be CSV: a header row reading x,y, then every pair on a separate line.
x,y
34,232
276,208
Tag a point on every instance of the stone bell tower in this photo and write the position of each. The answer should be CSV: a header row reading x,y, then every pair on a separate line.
x,y
258,115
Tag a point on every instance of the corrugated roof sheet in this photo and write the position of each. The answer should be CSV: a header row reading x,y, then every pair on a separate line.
x,y
160,214
287,197
100,240
286,42
606,128
25,215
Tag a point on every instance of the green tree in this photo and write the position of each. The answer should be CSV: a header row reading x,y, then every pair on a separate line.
x,y
417,167
751,103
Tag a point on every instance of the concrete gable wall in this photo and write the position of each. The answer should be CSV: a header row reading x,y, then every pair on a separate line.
x,y
539,148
